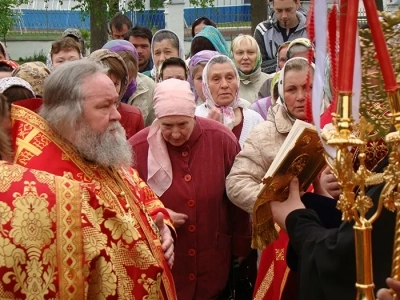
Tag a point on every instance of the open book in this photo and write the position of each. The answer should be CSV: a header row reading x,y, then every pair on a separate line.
x,y
301,156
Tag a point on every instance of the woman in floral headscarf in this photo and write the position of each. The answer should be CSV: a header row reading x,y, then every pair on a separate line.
x,y
247,57
220,89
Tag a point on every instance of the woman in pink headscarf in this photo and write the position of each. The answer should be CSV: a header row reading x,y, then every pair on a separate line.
x,y
221,88
185,160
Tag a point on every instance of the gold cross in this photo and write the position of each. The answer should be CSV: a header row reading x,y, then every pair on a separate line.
x,y
24,144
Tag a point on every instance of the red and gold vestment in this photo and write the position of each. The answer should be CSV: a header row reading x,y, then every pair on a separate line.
x,y
123,245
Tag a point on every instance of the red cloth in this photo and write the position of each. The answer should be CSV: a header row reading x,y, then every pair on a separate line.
x,y
215,228
273,270
131,119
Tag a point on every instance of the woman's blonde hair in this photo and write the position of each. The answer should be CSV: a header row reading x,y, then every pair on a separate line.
x,y
244,38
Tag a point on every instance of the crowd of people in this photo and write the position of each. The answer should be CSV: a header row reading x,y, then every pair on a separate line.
x,y
132,172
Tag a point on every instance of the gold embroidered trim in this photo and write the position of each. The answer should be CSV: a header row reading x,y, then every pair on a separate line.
x,y
283,283
69,239
265,284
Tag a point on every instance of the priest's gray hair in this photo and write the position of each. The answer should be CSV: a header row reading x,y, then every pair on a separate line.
x,y
63,94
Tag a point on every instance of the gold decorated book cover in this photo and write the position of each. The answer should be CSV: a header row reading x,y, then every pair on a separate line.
x,y
301,155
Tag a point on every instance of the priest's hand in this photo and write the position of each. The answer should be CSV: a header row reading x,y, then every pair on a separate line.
x,y
280,210
327,185
167,242
177,218
384,294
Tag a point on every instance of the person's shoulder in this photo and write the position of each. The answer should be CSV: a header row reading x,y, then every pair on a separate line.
x,y
140,137
146,79
265,76
130,109
216,129
263,26
264,128
252,114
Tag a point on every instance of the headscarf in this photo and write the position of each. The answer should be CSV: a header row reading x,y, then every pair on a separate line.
x,y
257,65
281,83
181,51
6,83
100,55
75,33
172,97
4,51
215,37
228,115
202,56
121,45
34,73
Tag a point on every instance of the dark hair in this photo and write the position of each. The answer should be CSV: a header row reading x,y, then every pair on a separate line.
x,y
275,92
5,68
201,43
174,61
166,35
15,93
4,107
119,20
203,20
5,144
2,50
139,31
65,43
131,62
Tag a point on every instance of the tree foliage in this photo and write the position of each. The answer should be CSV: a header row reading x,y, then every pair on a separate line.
x,y
101,11
9,15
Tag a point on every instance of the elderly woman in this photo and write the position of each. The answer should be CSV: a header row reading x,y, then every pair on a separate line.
x,y
185,160
247,57
165,44
131,117
259,151
220,89
196,67
209,38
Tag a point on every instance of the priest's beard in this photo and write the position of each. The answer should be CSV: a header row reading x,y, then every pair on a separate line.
x,y
106,149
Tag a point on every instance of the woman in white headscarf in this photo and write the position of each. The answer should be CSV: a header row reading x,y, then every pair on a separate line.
x,y
165,44
220,88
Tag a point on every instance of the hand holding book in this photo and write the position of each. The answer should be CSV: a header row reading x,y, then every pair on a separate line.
x,y
301,156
